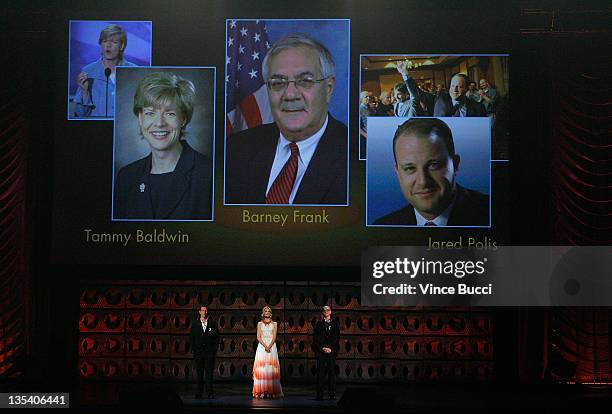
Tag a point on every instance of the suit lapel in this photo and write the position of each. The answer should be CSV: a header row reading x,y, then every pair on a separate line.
x,y
179,185
411,215
260,165
321,171
209,326
457,214
144,206
469,108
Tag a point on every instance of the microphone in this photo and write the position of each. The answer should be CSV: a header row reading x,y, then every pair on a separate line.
x,y
107,73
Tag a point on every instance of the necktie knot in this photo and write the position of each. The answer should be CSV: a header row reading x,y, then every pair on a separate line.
x,y
294,149
430,223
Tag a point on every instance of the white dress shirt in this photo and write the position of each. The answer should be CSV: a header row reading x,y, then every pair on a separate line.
x,y
307,148
441,220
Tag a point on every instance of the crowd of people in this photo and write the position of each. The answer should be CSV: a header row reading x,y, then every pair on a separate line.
x,y
464,98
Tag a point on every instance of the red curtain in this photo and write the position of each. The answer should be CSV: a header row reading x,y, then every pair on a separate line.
x,y
14,279
582,157
581,108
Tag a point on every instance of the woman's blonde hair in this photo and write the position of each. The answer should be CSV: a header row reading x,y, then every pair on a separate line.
x,y
114,31
166,88
263,311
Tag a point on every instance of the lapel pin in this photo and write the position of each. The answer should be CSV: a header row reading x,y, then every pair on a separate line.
x,y
142,187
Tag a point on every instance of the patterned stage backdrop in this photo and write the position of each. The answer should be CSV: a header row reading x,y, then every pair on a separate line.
x,y
138,331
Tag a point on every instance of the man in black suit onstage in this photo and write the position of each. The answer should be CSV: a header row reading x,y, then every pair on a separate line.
x,y
204,341
325,344
301,158
455,102
426,166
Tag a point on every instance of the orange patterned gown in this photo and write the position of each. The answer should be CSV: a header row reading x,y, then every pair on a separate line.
x,y
266,368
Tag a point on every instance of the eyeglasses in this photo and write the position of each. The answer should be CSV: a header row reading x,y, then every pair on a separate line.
x,y
304,83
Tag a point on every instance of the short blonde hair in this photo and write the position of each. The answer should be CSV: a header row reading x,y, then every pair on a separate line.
x,y
263,311
166,88
114,30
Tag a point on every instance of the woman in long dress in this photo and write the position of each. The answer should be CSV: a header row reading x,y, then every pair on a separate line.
x,y
266,368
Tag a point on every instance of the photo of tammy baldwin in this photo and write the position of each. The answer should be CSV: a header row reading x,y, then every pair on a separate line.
x,y
163,141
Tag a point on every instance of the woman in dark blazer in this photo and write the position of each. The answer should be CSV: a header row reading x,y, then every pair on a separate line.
x,y
174,181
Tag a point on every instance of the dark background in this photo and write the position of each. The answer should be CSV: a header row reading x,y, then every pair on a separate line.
x,y
550,58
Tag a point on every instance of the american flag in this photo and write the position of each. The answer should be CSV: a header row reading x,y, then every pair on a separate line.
x,y
246,100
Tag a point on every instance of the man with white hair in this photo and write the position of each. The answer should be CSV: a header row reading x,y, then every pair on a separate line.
x,y
326,344
488,97
301,158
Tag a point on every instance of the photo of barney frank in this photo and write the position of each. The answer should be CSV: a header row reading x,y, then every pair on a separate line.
x,y
427,165
301,157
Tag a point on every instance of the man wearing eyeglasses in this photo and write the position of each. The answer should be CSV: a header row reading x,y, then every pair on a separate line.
x,y
326,344
301,158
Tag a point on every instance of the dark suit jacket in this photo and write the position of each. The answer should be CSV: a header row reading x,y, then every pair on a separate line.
x,y
412,105
250,155
471,209
188,198
326,338
444,106
204,344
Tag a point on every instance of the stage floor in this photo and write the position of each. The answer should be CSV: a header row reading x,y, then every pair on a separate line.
x,y
373,399
239,397
428,398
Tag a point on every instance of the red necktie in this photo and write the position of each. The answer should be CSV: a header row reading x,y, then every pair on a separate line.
x,y
281,188
430,223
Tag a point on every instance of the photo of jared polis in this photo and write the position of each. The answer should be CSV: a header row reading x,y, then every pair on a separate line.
x,y
301,157
427,163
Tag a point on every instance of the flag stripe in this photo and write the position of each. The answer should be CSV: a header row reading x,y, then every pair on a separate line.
x,y
236,121
228,126
247,98
261,96
250,111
